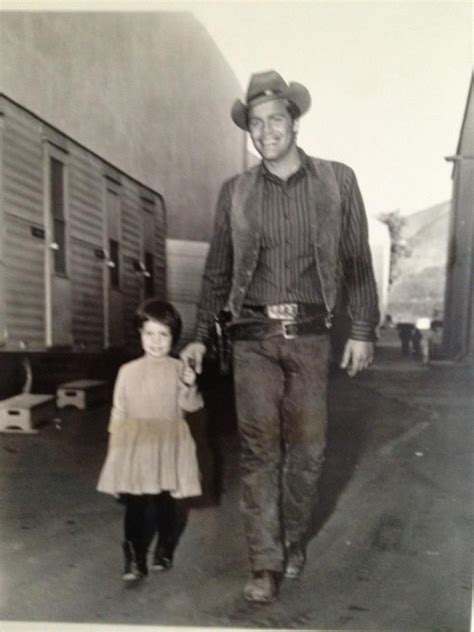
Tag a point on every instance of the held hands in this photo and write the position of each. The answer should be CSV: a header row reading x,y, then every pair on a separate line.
x,y
188,375
192,356
358,355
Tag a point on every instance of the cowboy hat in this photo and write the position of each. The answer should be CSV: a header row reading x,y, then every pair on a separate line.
x,y
267,86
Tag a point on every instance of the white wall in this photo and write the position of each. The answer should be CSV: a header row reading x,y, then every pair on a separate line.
x,y
379,240
185,260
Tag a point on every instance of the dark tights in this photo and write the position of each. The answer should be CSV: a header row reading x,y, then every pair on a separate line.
x,y
148,514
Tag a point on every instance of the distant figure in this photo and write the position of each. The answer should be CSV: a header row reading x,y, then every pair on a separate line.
x,y
416,341
151,458
388,322
288,232
405,332
435,338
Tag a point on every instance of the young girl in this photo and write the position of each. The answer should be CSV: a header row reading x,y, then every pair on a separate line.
x,y
151,457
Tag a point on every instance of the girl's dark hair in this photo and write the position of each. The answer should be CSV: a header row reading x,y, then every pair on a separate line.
x,y
161,311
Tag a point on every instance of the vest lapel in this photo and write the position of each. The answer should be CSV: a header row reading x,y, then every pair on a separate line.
x,y
325,205
246,222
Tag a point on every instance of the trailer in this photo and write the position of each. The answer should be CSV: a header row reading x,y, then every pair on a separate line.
x,y
81,242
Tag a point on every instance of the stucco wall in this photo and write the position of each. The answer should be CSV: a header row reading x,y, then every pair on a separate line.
x,y
148,92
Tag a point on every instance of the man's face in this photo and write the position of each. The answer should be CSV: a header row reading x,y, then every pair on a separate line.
x,y
272,129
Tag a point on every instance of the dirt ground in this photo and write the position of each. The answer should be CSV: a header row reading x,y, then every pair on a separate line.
x,y
392,532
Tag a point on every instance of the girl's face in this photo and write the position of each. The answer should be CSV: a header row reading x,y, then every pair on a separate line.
x,y
156,339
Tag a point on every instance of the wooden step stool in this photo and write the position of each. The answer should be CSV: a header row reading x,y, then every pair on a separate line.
x,y
22,413
81,393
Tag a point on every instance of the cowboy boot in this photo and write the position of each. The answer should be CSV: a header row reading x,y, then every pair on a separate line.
x,y
295,560
262,587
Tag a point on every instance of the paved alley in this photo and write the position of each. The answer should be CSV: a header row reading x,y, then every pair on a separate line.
x,y
392,530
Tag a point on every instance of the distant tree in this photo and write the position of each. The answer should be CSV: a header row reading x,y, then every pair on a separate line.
x,y
398,248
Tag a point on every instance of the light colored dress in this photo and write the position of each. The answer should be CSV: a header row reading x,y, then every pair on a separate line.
x,y
150,445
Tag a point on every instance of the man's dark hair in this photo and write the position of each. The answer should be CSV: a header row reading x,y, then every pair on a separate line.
x,y
162,312
293,111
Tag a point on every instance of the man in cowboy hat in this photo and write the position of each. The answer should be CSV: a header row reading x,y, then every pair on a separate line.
x,y
287,234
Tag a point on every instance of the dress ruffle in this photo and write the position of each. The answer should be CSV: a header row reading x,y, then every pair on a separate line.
x,y
148,456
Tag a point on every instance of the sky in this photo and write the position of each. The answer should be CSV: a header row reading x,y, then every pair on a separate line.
x,y
389,80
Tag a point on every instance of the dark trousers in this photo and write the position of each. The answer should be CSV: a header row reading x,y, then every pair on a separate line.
x,y
150,514
281,402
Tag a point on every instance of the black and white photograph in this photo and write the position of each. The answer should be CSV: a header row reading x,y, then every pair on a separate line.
x,y
236,315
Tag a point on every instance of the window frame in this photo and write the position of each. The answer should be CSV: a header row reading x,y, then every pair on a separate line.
x,y
59,154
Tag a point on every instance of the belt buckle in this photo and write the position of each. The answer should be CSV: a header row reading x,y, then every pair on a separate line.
x,y
286,334
282,311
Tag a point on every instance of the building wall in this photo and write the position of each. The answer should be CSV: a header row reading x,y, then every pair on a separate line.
x,y
148,92
185,268
22,297
459,311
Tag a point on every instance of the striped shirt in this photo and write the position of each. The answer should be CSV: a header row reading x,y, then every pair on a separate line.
x,y
286,269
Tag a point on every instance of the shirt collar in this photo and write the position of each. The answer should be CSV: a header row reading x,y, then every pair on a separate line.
x,y
307,166
307,163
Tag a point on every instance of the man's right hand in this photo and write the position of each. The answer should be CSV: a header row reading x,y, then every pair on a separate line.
x,y
194,352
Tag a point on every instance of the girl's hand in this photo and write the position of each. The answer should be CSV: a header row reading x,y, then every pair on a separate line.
x,y
188,375
194,353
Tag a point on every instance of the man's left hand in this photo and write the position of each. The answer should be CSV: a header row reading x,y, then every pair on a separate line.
x,y
357,356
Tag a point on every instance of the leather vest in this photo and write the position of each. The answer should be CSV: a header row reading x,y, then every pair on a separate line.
x,y
246,227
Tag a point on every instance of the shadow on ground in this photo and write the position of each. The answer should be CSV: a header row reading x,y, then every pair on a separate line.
x,y
345,440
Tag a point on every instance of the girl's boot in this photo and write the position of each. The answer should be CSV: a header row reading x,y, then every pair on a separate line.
x,y
140,555
162,559
131,571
